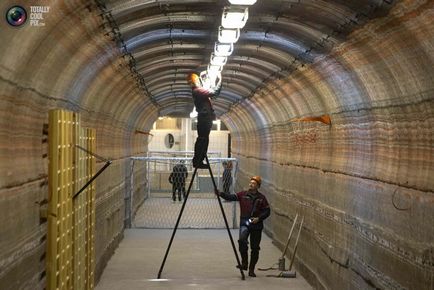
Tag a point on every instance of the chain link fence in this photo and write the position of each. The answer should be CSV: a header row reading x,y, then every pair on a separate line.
x,y
168,177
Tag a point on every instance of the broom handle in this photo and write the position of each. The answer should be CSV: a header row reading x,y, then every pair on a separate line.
x,y
290,234
296,244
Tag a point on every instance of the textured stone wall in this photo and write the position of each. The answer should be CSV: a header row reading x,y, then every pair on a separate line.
x,y
71,64
364,184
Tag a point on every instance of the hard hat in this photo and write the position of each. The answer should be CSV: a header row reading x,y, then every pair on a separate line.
x,y
257,179
193,79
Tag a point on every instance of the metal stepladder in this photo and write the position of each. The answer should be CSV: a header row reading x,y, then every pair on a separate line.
x,y
224,217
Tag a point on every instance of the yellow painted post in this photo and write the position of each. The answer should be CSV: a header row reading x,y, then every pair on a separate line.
x,y
53,189
90,251
68,192
79,213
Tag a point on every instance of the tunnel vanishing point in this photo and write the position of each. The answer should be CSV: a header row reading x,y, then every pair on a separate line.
x,y
364,181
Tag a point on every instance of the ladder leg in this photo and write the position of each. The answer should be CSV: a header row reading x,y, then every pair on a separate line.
x,y
226,222
177,223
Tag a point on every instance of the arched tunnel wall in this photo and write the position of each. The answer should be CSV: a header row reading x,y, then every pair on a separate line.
x,y
364,183
67,64
345,178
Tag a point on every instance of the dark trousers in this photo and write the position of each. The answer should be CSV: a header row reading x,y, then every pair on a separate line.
x,y
255,240
204,125
180,188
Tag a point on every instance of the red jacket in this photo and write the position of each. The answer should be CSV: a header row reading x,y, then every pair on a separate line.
x,y
202,102
251,205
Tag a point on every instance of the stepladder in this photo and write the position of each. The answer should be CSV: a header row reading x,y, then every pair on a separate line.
x,y
223,215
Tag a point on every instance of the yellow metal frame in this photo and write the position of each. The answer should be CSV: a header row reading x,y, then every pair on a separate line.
x,y
71,222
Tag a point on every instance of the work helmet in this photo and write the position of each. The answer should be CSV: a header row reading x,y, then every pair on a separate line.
x,y
193,79
257,179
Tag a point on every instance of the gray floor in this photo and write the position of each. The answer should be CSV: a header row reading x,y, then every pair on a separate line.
x,y
198,259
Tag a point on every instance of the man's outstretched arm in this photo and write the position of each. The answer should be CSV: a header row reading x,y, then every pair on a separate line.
x,y
226,196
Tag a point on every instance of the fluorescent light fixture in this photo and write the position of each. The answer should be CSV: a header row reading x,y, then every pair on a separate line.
x,y
206,81
212,73
212,77
218,60
223,49
242,2
234,17
228,35
215,68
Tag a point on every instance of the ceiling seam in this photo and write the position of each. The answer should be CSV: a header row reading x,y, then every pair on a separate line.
x,y
126,55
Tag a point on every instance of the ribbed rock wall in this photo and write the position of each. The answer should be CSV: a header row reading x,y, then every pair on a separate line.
x,y
71,64
364,184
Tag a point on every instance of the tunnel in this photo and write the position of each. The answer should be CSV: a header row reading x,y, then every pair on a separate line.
x,y
330,102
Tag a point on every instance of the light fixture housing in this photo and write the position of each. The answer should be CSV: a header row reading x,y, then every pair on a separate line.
x,y
209,77
215,68
234,16
223,49
242,2
218,60
228,35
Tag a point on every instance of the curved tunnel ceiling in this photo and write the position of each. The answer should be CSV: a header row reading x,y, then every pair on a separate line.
x,y
165,40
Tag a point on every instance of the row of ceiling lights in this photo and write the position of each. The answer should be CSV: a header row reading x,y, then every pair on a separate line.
x,y
234,17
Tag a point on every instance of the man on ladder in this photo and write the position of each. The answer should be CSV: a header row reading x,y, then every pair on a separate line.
x,y
205,116
254,209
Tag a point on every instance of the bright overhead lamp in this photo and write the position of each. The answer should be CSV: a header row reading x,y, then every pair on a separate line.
x,y
227,35
215,68
234,17
209,76
223,49
242,2
218,60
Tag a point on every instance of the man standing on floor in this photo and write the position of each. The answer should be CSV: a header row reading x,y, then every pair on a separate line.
x,y
177,179
254,210
205,116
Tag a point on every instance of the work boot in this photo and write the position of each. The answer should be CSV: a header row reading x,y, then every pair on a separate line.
x,y
253,260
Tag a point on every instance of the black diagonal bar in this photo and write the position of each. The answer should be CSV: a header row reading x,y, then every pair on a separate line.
x,y
226,221
177,223
107,164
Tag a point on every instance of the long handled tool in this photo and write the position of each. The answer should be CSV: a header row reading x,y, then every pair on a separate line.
x,y
179,218
287,273
281,262
282,259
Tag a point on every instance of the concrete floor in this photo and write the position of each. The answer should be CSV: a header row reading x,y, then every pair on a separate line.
x,y
198,259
